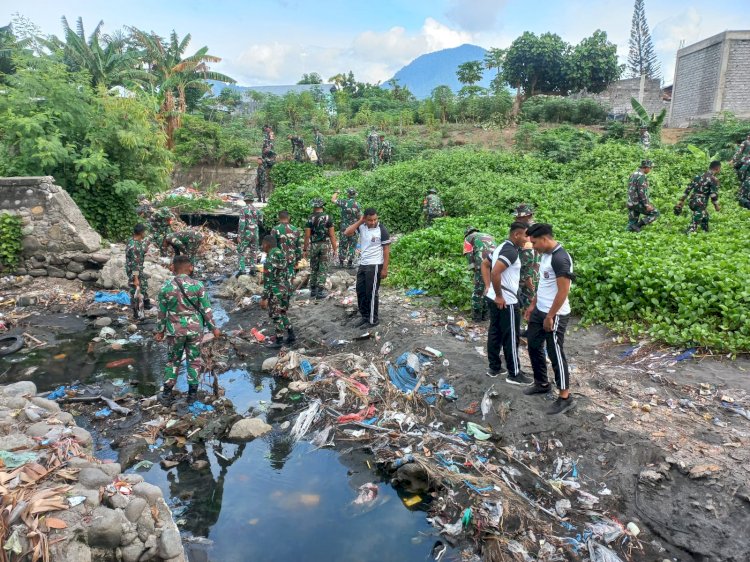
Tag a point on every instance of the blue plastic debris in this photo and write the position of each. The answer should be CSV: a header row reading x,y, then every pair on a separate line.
x,y
415,292
478,490
406,459
687,354
448,392
371,421
119,298
306,367
404,378
60,392
103,413
197,408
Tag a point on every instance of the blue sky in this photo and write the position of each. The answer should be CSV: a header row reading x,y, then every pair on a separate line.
x,y
275,41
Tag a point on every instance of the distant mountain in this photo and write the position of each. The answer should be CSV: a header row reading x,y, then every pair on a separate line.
x,y
428,71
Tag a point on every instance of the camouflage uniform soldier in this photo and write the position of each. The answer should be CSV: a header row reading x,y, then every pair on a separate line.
x,y
386,151
699,191
741,159
144,209
289,241
477,246
529,262
276,290
261,181
160,227
298,147
185,242
319,146
318,233
373,147
350,213
247,236
744,194
135,257
184,312
432,207
645,138
640,210
268,139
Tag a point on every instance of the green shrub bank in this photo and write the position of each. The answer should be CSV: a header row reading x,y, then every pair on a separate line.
x,y
660,283
558,109
11,236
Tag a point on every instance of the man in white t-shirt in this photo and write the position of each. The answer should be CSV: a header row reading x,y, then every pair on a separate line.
x,y
548,317
501,272
375,253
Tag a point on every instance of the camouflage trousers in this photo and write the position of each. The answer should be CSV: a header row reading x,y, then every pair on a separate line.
x,y
478,301
743,169
158,237
177,346
318,264
299,154
278,304
347,247
374,159
638,217
744,194
247,246
525,295
699,219
132,288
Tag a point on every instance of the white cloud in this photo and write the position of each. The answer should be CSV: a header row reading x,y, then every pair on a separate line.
x,y
475,15
372,56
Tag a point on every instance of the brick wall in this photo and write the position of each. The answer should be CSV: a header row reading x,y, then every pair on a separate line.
x,y
696,82
737,87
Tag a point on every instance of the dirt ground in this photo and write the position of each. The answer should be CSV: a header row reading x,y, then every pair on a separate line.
x,y
652,426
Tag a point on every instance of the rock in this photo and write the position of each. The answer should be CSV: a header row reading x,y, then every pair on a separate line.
x,y
70,275
80,462
170,543
650,476
111,469
76,267
102,322
132,328
39,429
117,501
100,258
93,478
38,272
112,275
106,528
132,552
80,258
49,405
70,550
14,402
16,442
285,425
269,364
83,436
65,418
26,300
96,312
89,276
147,491
20,388
92,496
249,428
703,470
135,508
53,271
132,479
146,527
31,415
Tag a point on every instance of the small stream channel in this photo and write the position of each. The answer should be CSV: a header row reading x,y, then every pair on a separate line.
x,y
269,499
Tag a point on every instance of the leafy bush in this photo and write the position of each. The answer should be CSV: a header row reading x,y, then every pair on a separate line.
x,y
557,109
561,144
11,236
182,204
720,137
345,150
290,172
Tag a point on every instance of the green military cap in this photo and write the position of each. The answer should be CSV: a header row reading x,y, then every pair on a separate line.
x,y
317,202
523,210
432,190
351,192
469,230
647,164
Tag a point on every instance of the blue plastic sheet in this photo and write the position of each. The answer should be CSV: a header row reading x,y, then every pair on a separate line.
x,y
415,292
103,413
687,354
197,408
120,298
306,367
60,391
404,378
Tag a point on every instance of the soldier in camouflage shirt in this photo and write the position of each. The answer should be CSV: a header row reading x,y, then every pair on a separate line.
x,y
135,257
261,181
741,160
350,214
698,192
529,262
185,242
161,220
385,153
247,236
319,146
184,313
373,147
289,241
432,207
277,290
477,246
268,138
743,196
318,233
640,210
298,147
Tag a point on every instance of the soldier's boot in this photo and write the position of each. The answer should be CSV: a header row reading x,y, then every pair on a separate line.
x,y
341,262
476,315
167,394
192,394
146,304
321,294
290,336
349,264
276,342
314,292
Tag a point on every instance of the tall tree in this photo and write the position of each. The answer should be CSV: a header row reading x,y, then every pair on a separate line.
x,y
175,73
311,78
592,64
494,58
535,65
469,73
642,58
442,97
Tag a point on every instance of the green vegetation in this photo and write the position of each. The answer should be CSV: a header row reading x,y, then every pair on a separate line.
x,y
181,204
10,240
558,109
720,137
659,283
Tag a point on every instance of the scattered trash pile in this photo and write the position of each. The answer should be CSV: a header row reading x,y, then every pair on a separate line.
x,y
57,502
524,501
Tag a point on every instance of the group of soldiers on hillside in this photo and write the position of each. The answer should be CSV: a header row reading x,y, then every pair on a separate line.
x,y
379,149
702,190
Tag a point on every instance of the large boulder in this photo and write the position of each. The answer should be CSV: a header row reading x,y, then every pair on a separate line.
x,y
112,275
249,428
243,286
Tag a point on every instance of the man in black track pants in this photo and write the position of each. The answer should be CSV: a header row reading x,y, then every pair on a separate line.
x,y
375,252
548,317
501,272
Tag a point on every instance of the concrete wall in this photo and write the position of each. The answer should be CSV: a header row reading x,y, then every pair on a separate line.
x,y
58,240
712,76
230,180
617,96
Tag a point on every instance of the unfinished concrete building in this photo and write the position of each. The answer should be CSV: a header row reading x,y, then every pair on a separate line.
x,y
712,76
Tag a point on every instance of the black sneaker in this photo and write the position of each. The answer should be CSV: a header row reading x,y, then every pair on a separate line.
x,y
494,374
361,322
290,336
373,324
561,405
192,394
521,379
537,388
167,395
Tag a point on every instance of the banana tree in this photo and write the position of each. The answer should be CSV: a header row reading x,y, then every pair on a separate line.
x,y
653,123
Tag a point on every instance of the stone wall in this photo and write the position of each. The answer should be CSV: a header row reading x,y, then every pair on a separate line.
x,y
617,96
230,180
58,240
711,76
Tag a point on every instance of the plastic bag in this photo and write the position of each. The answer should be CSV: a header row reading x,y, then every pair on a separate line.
x,y
600,553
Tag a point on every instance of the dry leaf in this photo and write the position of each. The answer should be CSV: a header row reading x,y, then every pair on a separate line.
x,y
54,523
